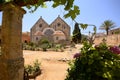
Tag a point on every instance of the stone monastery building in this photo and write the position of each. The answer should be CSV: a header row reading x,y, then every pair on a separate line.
x,y
57,31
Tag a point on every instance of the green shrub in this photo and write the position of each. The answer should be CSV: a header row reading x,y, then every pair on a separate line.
x,y
59,47
32,69
29,46
44,44
95,63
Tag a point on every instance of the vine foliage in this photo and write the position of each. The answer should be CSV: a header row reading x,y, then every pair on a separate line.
x,y
71,10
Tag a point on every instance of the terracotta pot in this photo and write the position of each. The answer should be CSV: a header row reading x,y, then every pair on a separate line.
x,y
34,75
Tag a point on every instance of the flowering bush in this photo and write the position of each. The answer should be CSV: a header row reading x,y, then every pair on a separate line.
x,y
95,63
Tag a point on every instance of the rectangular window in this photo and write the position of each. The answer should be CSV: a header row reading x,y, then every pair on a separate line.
x,y
57,38
55,27
64,27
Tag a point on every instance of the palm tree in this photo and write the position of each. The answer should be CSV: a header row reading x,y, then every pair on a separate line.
x,y
107,25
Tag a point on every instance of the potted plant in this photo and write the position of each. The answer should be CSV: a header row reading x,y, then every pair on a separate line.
x,y
33,71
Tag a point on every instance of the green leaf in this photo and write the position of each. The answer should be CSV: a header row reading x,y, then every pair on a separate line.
x,y
44,5
55,4
84,26
73,12
90,62
69,5
63,2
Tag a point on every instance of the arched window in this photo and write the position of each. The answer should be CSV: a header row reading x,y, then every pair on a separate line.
x,y
58,24
63,27
36,38
40,25
25,41
48,31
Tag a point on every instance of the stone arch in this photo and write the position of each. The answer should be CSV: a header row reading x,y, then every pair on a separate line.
x,y
48,33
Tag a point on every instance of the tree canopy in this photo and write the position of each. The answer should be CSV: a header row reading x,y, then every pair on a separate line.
x,y
72,10
107,25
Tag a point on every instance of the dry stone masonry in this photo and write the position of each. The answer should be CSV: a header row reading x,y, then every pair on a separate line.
x,y
11,58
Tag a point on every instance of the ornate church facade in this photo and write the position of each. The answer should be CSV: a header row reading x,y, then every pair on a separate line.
x,y
57,31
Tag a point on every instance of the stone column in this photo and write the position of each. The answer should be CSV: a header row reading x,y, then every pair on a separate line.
x,y
11,58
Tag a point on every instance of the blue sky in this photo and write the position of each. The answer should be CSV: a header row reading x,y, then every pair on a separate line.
x,y
91,12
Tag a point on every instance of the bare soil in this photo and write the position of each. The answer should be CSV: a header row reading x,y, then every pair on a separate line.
x,y
54,65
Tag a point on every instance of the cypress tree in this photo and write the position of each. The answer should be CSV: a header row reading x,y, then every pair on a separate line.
x,y
76,38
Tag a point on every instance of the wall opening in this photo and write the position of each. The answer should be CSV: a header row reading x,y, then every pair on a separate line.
x,y
25,41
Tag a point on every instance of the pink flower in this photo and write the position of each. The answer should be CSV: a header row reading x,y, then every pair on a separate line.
x,y
115,49
76,55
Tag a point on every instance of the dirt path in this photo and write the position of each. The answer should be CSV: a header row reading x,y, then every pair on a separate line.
x,y
52,68
53,71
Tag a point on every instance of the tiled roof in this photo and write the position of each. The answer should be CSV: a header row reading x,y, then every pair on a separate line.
x,y
59,33
38,33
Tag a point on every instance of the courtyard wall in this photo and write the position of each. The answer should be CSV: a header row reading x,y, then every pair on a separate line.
x,y
110,39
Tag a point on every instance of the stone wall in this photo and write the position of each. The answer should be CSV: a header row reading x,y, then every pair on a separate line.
x,y
114,31
39,26
60,24
110,39
25,37
11,58
42,29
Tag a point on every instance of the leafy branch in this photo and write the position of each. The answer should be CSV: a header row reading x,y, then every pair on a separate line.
x,y
72,10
